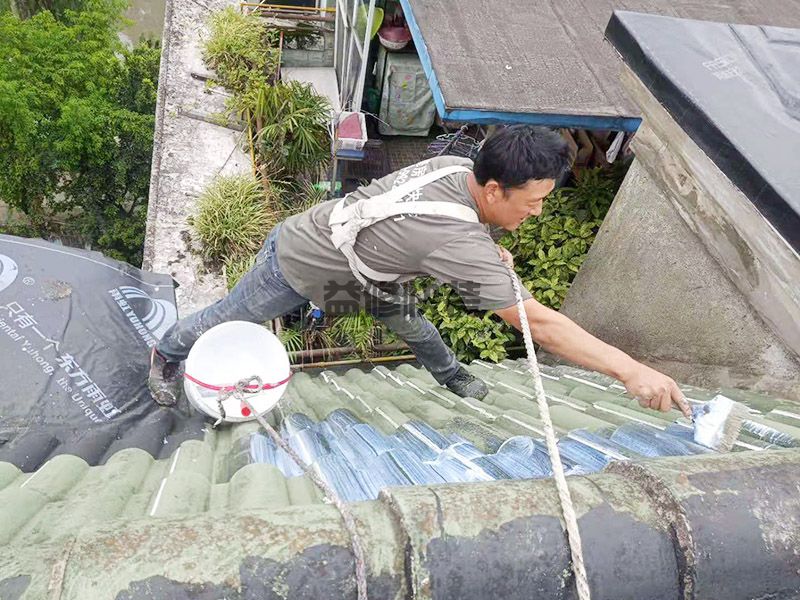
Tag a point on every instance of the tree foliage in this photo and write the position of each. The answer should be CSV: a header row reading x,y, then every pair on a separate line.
x,y
25,9
76,125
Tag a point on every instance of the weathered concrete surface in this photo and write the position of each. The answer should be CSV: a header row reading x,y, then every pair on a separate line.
x,y
761,263
318,56
650,287
187,154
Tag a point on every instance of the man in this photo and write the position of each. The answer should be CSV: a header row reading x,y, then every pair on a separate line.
x,y
434,218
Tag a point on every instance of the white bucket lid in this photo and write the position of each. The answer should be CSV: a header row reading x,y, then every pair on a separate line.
x,y
228,353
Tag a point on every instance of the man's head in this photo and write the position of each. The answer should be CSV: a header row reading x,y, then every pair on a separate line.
x,y
516,168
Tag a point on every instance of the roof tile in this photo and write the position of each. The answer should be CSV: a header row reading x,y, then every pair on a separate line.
x,y
364,431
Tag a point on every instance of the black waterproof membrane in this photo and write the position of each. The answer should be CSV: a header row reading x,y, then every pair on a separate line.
x,y
76,330
735,90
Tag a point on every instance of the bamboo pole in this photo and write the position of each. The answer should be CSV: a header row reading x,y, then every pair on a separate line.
x,y
342,350
287,7
355,361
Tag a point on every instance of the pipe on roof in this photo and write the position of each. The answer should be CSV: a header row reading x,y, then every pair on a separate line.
x,y
708,526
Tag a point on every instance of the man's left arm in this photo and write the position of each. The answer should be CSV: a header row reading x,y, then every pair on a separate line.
x,y
559,335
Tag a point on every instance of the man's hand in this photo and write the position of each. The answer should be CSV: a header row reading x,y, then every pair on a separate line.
x,y
655,390
506,256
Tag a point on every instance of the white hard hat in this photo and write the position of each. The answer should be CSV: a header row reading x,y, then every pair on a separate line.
x,y
229,353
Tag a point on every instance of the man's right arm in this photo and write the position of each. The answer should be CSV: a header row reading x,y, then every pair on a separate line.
x,y
558,334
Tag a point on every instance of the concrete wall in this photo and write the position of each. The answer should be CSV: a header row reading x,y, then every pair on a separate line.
x,y
650,287
316,57
190,150
686,275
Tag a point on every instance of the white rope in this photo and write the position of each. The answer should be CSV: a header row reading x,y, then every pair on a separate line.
x,y
568,510
347,516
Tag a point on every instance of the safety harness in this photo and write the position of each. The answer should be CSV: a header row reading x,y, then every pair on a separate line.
x,y
346,221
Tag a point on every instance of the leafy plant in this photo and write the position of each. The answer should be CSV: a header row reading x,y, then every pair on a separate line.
x,y
550,249
241,50
469,334
355,329
233,218
291,119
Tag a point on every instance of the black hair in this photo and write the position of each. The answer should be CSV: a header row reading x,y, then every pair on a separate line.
x,y
518,153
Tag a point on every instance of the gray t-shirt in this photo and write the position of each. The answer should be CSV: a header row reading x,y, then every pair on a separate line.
x,y
453,251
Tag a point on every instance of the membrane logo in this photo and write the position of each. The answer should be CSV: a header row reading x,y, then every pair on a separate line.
x,y
8,271
151,317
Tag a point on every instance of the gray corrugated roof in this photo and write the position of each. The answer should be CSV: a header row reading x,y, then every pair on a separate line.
x,y
549,58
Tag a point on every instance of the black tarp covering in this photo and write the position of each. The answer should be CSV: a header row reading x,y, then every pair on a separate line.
x,y
76,330
735,89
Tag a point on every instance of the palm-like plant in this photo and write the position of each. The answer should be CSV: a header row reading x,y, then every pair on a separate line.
x,y
292,134
356,330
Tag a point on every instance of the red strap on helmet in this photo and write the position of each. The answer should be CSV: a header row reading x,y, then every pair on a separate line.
x,y
230,388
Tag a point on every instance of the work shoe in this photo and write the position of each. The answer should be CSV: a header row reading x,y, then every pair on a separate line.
x,y
164,380
466,385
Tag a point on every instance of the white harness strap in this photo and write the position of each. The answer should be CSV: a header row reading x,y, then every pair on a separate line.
x,y
347,221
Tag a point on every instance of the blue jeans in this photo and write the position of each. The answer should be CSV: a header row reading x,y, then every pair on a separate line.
x,y
263,294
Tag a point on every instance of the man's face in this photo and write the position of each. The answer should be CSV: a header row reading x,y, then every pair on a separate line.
x,y
511,206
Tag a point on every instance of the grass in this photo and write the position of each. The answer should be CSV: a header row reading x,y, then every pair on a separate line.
x,y
241,50
235,268
233,219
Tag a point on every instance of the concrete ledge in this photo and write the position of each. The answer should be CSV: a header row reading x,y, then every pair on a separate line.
x,y
188,153
650,287
757,259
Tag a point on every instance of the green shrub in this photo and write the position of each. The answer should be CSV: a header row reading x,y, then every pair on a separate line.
x,y
233,218
549,250
469,334
241,50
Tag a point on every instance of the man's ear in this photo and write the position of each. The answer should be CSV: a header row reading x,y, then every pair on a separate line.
x,y
493,191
